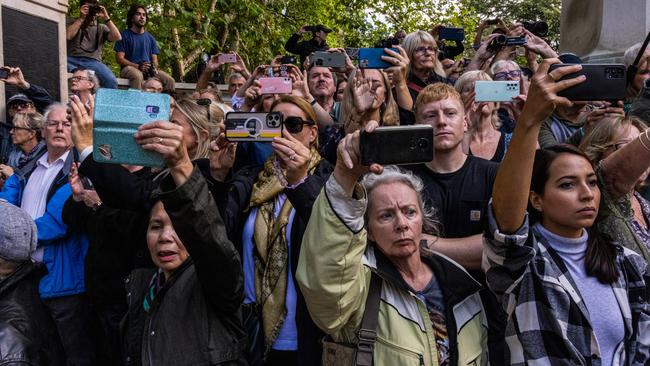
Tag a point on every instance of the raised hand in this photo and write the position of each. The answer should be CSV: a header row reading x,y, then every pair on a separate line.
x,y
222,157
82,121
400,61
363,95
294,157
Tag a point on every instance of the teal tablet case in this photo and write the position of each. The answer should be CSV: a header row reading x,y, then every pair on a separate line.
x,y
117,116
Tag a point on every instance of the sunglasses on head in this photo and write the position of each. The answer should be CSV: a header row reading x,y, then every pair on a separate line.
x,y
206,103
294,124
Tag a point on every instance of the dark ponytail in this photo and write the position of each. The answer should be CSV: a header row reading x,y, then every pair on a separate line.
x,y
600,260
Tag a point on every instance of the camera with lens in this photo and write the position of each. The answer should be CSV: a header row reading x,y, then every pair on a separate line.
x,y
540,29
93,9
502,41
387,43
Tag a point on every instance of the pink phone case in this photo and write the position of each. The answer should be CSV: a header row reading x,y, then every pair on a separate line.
x,y
227,58
281,85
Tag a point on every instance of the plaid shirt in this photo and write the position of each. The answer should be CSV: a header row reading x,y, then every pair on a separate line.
x,y
548,322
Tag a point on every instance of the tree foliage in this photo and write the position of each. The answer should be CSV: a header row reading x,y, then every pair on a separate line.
x,y
258,29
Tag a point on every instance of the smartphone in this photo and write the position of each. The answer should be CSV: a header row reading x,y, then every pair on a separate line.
x,y
328,59
4,73
604,82
495,91
117,116
227,58
245,126
452,34
279,85
288,60
370,58
397,145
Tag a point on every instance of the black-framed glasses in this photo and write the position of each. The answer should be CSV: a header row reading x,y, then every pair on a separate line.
x,y
206,103
504,74
423,49
294,124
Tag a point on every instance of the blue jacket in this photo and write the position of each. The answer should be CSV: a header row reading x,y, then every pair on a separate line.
x,y
64,252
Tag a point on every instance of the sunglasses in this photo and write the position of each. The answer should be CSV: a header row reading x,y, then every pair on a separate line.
x,y
294,124
205,102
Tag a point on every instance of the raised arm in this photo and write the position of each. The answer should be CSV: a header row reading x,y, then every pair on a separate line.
x,y
512,184
622,170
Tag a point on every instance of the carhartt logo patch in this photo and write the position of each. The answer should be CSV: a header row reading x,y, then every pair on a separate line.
x,y
475,215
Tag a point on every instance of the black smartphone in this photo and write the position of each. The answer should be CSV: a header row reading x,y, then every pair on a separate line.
x,y
603,82
399,145
452,34
4,73
288,60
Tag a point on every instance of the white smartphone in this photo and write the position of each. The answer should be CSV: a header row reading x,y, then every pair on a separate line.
x,y
496,91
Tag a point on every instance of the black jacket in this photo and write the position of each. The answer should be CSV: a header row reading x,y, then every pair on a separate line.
x,y
304,48
233,200
28,335
195,319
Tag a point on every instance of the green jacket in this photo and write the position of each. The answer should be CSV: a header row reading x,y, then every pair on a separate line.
x,y
334,273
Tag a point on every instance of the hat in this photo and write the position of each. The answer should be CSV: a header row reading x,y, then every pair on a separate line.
x,y
323,28
17,233
18,98
570,58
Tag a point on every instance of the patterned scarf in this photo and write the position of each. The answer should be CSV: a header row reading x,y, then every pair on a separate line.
x,y
270,238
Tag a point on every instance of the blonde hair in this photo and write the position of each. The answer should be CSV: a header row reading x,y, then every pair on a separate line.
x,y
197,116
601,136
417,39
389,113
302,104
435,92
33,121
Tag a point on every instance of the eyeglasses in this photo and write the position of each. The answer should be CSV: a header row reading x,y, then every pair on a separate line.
x,y
422,50
504,74
205,102
51,123
294,124
79,78
21,105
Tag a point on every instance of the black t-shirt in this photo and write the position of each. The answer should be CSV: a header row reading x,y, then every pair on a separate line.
x,y
460,198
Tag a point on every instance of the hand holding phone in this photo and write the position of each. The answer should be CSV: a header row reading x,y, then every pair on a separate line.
x,y
245,126
496,91
397,145
276,85
227,58
603,82
4,73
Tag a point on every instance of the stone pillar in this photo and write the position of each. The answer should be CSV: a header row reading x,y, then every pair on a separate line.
x,y
600,31
32,37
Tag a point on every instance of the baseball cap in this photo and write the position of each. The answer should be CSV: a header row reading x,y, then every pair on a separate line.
x,y
323,28
19,98
17,233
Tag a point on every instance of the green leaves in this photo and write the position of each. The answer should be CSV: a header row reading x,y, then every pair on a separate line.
x,y
258,29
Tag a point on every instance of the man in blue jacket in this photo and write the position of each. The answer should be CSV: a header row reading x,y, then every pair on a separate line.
x,y
42,194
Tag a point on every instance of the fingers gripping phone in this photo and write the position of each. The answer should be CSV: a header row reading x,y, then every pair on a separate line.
x,y
244,126
495,91
397,145
276,85
603,82
227,58
370,58
328,59
116,118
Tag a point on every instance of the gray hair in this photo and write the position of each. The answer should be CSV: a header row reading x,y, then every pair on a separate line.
x,y
393,174
51,108
499,63
416,39
630,54
235,75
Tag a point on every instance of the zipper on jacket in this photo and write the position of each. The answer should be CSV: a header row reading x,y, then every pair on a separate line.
x,y
421,360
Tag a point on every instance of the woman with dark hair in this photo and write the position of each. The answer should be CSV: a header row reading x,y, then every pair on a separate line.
x,y
266,209
572,296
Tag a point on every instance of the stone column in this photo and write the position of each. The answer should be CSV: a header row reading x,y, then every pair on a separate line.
x,y
32,37
600,31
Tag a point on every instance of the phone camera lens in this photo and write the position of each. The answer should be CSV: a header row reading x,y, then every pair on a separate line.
x,y
423,144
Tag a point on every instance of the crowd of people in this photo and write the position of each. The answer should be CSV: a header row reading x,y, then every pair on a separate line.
x,y
524,241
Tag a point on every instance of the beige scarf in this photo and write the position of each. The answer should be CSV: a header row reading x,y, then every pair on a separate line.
x,y
270,238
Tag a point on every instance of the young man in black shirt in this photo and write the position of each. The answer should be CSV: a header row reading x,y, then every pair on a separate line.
x,y
459,187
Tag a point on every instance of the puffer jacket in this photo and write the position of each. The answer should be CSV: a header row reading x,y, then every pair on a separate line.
x,y
195,319
334,273
65,251
28,335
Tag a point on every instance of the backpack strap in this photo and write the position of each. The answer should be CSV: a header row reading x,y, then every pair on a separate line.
x,y
368,332
414,86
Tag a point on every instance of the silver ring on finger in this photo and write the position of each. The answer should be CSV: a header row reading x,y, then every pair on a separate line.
x,y
159,140
293,157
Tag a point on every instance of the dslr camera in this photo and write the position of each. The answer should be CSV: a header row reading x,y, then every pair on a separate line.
x,y
93,9
387,43
501,41
151,72
540,29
